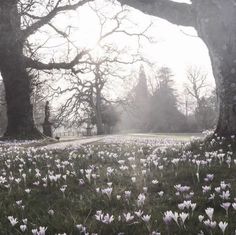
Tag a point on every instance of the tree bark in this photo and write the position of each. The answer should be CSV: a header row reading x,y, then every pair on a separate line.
x,y
214,21
15,77
216,26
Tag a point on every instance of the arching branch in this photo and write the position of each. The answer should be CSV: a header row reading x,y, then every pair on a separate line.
x,y
176,13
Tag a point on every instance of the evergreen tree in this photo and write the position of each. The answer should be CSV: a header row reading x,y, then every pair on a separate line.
x,y
164,115
140,105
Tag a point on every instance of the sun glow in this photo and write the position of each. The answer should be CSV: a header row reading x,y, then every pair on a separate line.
x,y
88,32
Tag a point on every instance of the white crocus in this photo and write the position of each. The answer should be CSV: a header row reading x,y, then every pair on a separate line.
x,y
23,227
223,226
141,200
128,217
210,224
210,211
183,216
168,217
138,213
107,191
107,219
200,218
34,231
42,230
226,206
146,218
12,220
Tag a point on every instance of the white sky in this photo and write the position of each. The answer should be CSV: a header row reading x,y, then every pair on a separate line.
x,y
173,47
176,47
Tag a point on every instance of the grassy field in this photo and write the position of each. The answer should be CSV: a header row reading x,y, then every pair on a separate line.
x,y
121,185
175,136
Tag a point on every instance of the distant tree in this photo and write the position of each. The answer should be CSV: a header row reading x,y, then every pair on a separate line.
x,y
207,115
110,117
102,112
164,114
140,103
196,86
86,92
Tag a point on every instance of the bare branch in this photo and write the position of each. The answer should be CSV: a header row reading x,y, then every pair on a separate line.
x,y
196,83
30,63
47,18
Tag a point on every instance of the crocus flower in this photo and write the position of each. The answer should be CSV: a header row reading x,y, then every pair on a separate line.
x,y
183,216
42,230
128,217
200,218
210,211
146,218
223,226
226,206
210,224
12,220
23,227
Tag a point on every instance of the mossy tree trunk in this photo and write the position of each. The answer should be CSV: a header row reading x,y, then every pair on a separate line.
x,y
15,76
216,26
18,21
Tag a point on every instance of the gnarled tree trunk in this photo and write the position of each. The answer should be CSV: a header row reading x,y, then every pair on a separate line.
x,y
15,77
216,26
215,22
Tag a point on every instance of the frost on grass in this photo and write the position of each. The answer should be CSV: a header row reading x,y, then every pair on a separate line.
x,y
121,186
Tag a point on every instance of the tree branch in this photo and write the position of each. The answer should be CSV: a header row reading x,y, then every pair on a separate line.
x,y
176,13
30,63
47,18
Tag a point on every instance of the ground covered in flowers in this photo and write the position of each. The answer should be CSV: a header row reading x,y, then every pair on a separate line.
x,y
119,186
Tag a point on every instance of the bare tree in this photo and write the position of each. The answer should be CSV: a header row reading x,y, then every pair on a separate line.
x,y
87,89
19,21
196,84
215,24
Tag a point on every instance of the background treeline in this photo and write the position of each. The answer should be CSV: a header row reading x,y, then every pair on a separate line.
x,y
155,106
152,104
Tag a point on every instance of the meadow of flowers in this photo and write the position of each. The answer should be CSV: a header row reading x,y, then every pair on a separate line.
x,y
119,186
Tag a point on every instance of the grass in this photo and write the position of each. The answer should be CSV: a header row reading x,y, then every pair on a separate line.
x,y
174,136
64,190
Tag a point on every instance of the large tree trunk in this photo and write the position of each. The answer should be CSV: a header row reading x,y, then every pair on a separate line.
x,y
216,26
15,77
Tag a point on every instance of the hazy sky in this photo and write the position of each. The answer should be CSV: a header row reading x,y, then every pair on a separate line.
x,y
176,47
